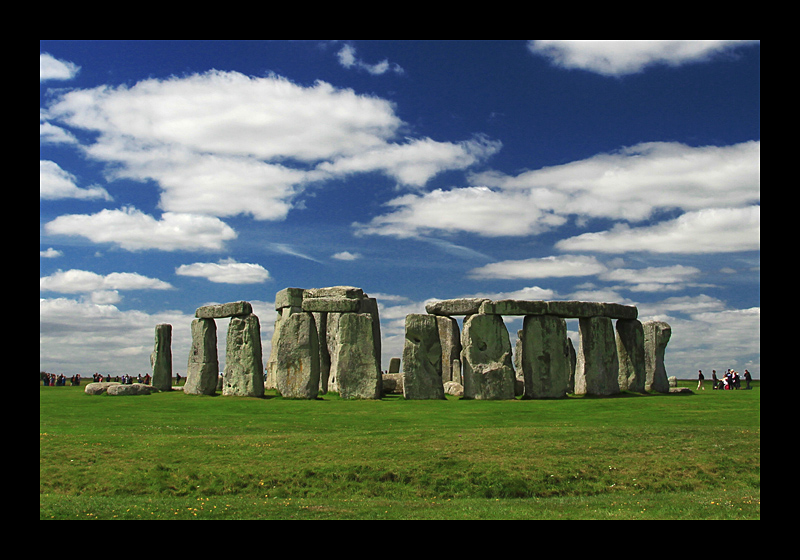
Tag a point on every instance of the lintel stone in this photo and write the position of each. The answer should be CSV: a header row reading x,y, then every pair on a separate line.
x,y
289,297
514,307
460,306
350,292
220,311
331,305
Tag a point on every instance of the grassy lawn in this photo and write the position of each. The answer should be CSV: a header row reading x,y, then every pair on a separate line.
x,y
176,456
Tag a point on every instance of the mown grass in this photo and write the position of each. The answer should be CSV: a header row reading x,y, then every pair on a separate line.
x,y
176,456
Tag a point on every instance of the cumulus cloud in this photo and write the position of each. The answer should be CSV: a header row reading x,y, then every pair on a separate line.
x,y
614,58
134,230
346,256
546,267
478,210
50,253
83,281
51,68
55,183
227,271
714,230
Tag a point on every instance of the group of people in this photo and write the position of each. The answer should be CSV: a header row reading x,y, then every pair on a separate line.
x,y
730,381
53,380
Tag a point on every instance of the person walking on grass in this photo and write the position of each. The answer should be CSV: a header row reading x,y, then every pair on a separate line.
x,y
700,378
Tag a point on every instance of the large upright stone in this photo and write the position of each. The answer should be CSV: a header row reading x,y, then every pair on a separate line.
x,y
244,368
630,351
297,354
422,358
486,360
545,357
597,371
202,371
656,337
223,310
450,339
359,375
161,358
394,365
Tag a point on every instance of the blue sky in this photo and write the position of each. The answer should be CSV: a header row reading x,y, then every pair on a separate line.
x,y
180,173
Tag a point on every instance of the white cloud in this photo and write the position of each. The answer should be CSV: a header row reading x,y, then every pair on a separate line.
x,y
55,183
134,230
614,58
631,183
347,58
715,230
226,272
223,144
346,256
472,209
83,281
50,253
654,278
51,68
546,267
417,161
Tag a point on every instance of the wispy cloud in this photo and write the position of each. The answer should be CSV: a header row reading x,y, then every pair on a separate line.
x,y
347,58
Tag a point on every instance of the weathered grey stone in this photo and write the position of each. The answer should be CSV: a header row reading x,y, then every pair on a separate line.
x,y
573,364
161,358
99,387
394,365
450,339
223,310
461,306
392,383
330,339
422,358
545,357
289,297
487,368
656,337
331,305
350,292
118,389
630,352
585,309
359,374
597,371
297,352
244,368
454,388
673,382
514,307
202,369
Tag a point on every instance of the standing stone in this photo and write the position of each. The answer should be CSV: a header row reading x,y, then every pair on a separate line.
x,y
422,358
656,337
450,339
161,358
329,376
244,368
359,370
573,364
394,365
597,371
630,350
545,357
488,371
297,367
202,370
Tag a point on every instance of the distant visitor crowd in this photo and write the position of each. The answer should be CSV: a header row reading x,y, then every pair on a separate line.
x,y
53,380
731,380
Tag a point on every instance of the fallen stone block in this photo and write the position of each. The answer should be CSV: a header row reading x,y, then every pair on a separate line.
x,y
99,387
132,389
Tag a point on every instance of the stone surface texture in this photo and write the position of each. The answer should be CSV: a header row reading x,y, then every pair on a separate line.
x,y
422,358
597,371
487,368
202,369
545,357
161,358
244,369
297,357
359,375
656,337
630,351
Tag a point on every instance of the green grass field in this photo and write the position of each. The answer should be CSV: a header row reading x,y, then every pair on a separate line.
x,y
176,456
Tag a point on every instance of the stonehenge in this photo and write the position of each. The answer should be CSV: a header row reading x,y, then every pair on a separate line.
x,y
329,340
326,339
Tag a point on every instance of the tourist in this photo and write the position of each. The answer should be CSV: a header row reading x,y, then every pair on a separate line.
x,y
714,379
700,378
747,379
